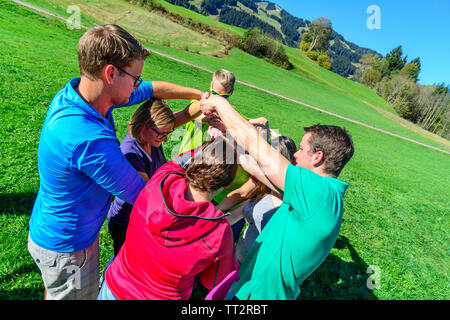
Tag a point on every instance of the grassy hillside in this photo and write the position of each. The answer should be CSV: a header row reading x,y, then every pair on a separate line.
x,y
395,211
143,24
281,25
332,92
307,82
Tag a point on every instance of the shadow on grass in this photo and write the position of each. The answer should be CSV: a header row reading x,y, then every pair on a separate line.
x,y
335,279
22,293
17,203
339,279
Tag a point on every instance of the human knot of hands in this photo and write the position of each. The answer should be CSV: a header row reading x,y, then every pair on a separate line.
x,y
208,105
209,102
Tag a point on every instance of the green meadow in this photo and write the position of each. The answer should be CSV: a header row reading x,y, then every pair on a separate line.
x,y
395,211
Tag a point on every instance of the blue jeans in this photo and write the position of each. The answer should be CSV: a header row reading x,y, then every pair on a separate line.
x,y
105,293
237,228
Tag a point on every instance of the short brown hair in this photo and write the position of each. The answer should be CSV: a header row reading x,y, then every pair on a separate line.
x,y
335,143
107,44
152,113
225,78
209,170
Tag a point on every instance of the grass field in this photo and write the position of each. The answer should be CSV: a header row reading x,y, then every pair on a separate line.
x,y
396,208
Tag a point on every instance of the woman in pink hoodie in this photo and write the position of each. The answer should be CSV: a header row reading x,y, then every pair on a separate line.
x,y
175,233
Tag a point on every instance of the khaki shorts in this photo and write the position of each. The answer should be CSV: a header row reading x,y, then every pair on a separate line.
x,y
68,275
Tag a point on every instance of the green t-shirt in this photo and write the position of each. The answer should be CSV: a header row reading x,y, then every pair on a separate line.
x,y
240,178
296,240
196,134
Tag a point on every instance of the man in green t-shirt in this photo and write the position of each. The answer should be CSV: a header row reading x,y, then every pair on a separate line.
x,y
302,232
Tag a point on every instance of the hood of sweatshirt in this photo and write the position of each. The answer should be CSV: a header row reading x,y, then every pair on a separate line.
x,y
172,220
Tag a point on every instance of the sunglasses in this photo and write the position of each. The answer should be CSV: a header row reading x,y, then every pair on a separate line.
x,y
161,134
137,81
224,95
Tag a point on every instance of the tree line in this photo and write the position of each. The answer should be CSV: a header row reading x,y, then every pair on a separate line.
x,y
315,41
258,44
395,79
340,57
241,19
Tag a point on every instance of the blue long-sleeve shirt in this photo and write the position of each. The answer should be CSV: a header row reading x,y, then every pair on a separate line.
x,y
80,166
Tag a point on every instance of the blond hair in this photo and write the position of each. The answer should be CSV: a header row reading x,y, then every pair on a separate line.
x,y
107,44
225,78
152,113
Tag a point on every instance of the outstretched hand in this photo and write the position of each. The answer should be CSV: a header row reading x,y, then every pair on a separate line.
x,y
209,103
205,95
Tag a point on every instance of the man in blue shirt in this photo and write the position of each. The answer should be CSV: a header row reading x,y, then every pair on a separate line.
x,y
80,162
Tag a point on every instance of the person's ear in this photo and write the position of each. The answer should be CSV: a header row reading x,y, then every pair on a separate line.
x,y
318,158
109,73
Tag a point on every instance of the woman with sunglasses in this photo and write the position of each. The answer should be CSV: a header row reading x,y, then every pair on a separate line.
x,y
150,125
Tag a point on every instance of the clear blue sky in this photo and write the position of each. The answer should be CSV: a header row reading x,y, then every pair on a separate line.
x,y
421,27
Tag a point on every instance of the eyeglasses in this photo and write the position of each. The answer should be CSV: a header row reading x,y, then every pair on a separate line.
x,y
224,95
161,134
137,81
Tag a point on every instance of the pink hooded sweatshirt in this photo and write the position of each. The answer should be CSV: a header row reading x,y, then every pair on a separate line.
x,y
163,251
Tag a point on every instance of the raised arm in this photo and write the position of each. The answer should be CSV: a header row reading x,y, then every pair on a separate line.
x,y
272,163
237,196
237,214
167,90
250,165
189,113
